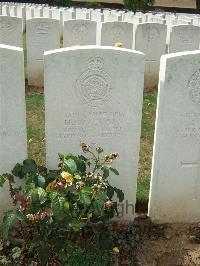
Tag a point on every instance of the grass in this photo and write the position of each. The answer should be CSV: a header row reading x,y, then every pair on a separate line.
x,y
36,135
35,125
146,146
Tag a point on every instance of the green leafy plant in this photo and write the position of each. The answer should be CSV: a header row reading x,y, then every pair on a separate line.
x,y
135,5
54,207
61,2
93,5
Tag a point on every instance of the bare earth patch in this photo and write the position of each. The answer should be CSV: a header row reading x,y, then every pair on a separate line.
x,y
168,245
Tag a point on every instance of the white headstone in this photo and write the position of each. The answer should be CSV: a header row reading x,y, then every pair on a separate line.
x,y
85,100
13,11
11,31
68,14
82,14
13,147
109,16
112,32
175,184
42,34
184,38
96,15
151,40
79,32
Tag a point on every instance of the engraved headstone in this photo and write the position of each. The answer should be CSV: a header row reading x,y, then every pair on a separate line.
x,y
112,32
80,14
11,31
68,14
184,38
151,40
175,184
110,16
79,32
85,100
96,15
12,114
42,34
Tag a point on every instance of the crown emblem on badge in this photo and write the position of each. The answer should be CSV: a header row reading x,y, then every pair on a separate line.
x,y
95,63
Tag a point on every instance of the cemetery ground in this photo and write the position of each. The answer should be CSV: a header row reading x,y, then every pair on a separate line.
x,y
138,243
150,244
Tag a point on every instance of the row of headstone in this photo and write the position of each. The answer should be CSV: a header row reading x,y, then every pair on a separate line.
x,y
84,32
42,34
100,15
35,10
93,79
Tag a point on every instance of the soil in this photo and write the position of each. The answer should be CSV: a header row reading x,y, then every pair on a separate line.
x,y
167,245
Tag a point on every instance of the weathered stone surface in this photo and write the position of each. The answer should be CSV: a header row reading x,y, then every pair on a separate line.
x,y
151,40
79,32
12,115
112,32
42,34
11,31
184,38
85,100
175,184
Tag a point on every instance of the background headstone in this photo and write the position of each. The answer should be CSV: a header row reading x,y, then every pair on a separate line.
x,y
151,40
79,32
175,184
184,38
112,32
13,147
42,34
11,31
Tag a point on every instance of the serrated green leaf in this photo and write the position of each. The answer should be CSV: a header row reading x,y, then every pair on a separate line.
x,y
57,205
81,167
87,190
66,206
20,216
41,181
16,252
18,171
85,199
105,172
42,195
29,166
2,180
4,260
110,192
119,193
70,165
77,225
98,207
7,222
114,171
102,196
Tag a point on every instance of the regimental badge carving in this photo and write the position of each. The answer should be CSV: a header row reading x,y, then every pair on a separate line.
x,y
94,85
194,87
6,25
42,28
79,31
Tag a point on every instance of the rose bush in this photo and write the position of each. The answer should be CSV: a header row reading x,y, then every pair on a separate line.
x,y
56,204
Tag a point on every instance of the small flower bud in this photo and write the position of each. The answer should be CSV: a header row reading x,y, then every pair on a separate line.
x,y
108,203
84,146
99,149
